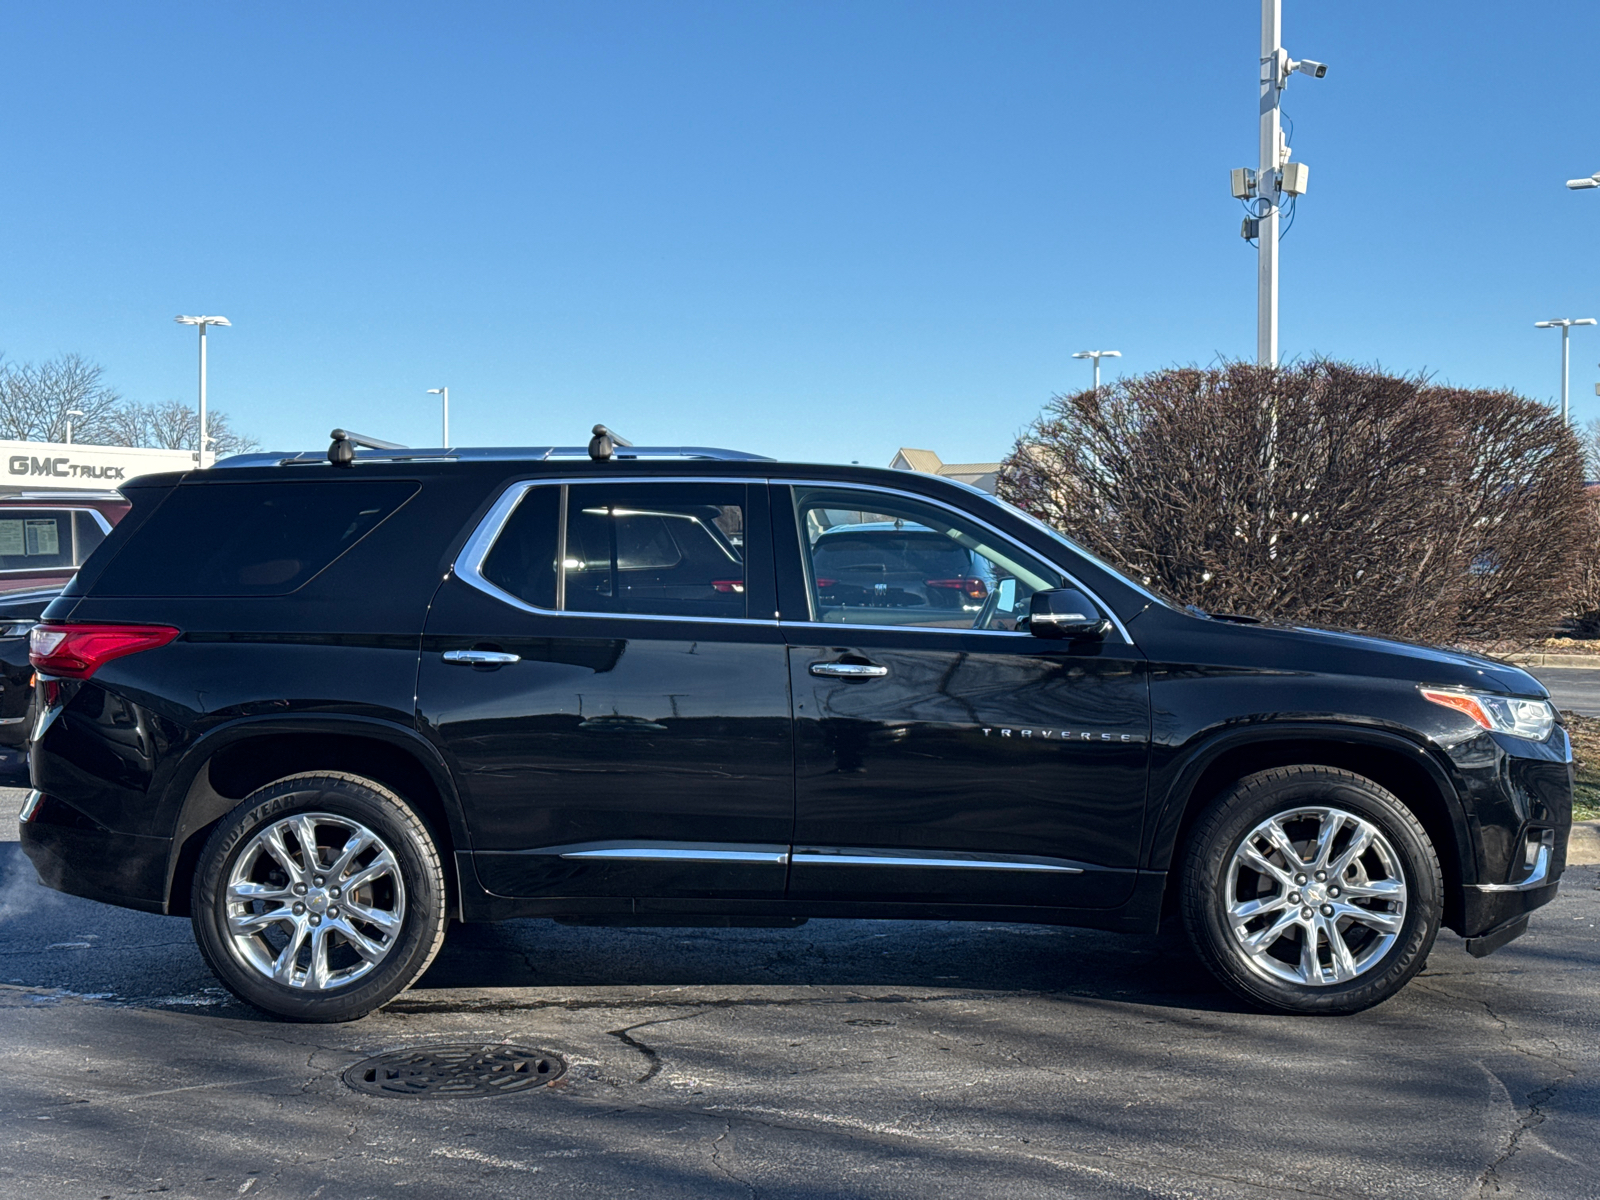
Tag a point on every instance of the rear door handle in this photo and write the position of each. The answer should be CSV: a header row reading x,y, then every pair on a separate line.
x,y
481,658
844,670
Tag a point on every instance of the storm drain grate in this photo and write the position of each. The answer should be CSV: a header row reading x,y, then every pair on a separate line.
x,y
456,1072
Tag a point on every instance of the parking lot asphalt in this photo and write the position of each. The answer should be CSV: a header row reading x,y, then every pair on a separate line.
x,y
1575,689
841,1059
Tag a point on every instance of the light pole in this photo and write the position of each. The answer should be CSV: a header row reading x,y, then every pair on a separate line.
x,y
445,393
1274,177
72,412
1565,324
202,322
1097,355
1579,185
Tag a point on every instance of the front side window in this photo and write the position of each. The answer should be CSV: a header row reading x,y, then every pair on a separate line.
x,y
655,549
879,559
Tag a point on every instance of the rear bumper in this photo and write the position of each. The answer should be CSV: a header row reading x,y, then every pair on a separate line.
x,y
114,868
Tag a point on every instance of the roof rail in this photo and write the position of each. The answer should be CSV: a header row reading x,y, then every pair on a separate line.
x,y
487,454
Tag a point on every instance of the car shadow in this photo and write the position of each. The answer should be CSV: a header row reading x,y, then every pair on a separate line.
x,y
990,957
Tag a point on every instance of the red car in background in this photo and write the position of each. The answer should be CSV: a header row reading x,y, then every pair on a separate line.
x,y
45,536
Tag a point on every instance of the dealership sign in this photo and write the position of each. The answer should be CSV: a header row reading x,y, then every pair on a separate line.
x,y
64,464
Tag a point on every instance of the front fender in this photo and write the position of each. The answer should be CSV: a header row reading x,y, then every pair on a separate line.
x,y
1170,804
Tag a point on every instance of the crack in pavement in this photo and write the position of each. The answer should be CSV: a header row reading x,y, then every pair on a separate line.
x,y
654,1059
1489,1181
716,1161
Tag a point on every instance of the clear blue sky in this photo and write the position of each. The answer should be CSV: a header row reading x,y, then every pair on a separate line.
x,y
816,230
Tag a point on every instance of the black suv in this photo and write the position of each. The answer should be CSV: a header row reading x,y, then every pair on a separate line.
x,y
323,707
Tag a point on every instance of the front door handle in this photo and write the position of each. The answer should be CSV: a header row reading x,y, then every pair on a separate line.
x,y
481,658
848,670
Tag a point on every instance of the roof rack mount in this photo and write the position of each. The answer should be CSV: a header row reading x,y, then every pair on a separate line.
x,y
489,454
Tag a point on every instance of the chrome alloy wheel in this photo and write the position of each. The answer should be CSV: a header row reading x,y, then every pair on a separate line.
x,y
1315,896
314,902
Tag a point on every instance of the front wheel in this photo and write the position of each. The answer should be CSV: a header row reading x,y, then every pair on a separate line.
x,y
1311,890
320,898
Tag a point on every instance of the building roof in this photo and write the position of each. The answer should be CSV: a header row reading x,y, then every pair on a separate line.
x,y
907,459
981,475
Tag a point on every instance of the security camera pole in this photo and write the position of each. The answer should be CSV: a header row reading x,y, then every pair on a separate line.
x,y
202,322
1097,355
1565,324
1274,177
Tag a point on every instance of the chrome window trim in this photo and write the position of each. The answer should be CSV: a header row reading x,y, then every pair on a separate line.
x,y
853,856
960,512
468,566
469,561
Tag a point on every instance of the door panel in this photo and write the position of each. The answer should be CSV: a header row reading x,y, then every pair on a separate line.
x,y
1027,757
943,754
618,755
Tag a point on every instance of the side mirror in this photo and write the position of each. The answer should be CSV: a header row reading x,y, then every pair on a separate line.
x,y
1065,613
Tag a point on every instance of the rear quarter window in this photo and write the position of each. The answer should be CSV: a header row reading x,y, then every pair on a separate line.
x,y
248,539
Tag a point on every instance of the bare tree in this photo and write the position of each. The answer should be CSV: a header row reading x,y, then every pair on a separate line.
x,y
1319,493
175,426
36,398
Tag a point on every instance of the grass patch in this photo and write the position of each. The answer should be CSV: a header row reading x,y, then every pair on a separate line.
x,y
1585,733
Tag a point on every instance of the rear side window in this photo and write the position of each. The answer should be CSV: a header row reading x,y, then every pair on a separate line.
x,y
657,549
248,539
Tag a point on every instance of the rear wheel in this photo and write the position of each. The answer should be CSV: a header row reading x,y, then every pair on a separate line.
x,y
1311,890
320,898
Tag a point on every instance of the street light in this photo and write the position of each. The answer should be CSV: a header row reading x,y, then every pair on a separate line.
x,y
1565,324
1097,355
72,412
445,392
1579,185
202,322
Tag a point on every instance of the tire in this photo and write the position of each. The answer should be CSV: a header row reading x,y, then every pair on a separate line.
x,y
1380,901
255,895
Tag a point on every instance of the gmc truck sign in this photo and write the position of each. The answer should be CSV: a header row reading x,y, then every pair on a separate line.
x,y
62,465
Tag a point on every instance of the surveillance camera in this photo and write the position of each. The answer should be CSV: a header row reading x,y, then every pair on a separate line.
x,y
1308,66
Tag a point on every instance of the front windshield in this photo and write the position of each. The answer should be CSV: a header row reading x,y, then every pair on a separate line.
x,y
1141,588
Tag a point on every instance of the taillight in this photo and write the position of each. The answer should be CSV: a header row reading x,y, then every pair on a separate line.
x,y
78,651
728,586
972,589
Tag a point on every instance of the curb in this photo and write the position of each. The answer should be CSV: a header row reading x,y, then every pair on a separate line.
x,y
1583,847
1583,662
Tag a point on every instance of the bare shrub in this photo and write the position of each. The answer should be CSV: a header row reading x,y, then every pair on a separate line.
x,y
1320,493
1584,606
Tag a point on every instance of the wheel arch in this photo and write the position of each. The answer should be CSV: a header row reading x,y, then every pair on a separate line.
x,y
1393,762
236,759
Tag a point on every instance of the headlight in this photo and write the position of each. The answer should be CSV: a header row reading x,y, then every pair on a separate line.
x,y
16,628
1531,719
